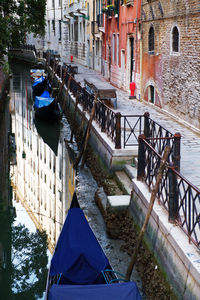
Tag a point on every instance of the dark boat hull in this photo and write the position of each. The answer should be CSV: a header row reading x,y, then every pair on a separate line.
x,y
50,113
39,88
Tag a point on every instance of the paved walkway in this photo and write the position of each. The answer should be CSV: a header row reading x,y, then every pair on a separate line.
x,y
190,139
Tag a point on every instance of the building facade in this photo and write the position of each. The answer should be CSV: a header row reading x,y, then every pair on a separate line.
x,y
171,57
121,43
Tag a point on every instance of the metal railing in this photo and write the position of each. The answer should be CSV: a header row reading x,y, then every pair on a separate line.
x,y
179,197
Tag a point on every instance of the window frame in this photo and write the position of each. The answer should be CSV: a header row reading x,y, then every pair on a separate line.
x,y
151,44
172,40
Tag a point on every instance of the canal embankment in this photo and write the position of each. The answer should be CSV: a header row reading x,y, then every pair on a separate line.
x,y
176,256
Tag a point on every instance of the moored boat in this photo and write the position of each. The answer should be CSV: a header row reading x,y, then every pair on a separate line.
x,y
47,108
79,268
37,73
39,85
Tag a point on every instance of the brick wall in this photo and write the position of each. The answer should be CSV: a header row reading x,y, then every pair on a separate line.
x,y
176,76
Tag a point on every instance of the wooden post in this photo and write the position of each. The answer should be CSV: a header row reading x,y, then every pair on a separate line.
x,y
152,200
74,118
84,148
68,86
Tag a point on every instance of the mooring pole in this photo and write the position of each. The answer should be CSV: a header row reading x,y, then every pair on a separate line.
x,y
84,148
152,200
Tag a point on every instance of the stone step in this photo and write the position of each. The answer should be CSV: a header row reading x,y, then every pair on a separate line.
x,y
124,181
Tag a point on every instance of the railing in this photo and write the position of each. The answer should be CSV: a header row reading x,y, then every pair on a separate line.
x,y
179,197
122,129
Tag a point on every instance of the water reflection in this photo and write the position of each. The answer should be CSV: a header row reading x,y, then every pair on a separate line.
x,y
42,180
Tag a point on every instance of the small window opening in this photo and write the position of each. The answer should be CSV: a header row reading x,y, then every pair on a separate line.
x,y
175,40
151,40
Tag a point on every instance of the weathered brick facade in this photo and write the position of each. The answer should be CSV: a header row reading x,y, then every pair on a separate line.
x,y
174,76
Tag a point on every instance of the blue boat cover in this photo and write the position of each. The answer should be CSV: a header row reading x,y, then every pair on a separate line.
x,y
43,100
114,291
38,80
78,255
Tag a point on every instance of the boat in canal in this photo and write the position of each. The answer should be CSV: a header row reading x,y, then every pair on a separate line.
x,y
39,85
79,268
37,73
47,108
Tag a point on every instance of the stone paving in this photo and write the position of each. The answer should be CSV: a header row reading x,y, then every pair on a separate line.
x,y
190,137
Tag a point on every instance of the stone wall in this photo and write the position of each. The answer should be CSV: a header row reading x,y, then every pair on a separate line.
x,y
175,75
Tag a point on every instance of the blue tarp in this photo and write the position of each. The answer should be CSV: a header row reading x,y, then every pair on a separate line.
x,y
38,80
78,255
43,100
115,291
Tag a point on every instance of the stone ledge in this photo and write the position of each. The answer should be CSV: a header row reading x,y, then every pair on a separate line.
x,y
179,259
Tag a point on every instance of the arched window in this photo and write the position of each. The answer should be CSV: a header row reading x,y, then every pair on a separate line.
x,y
151,39
175,39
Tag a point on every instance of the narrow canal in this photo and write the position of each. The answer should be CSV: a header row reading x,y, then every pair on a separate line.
x,y
42,183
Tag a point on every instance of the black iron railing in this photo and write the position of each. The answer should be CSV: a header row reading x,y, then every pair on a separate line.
x,y
179,197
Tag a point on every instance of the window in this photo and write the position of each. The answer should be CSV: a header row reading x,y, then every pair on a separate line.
x,y
60,30
151,40
53,26
113,48
175,39
117,49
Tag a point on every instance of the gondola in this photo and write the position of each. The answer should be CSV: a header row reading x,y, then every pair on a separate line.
x,y
47,108
37,73
39,85
79,269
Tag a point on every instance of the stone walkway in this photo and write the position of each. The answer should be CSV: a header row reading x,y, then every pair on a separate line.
x,y
190,138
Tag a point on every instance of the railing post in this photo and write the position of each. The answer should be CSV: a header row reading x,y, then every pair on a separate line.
x,y
146,124
177,150
141,158
173,195
103,118
118,131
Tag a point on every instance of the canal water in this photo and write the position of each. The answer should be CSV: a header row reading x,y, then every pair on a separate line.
x,y
43,181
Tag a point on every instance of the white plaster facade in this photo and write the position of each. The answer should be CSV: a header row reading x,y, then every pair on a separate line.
x,y
42,181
